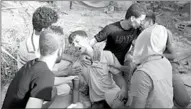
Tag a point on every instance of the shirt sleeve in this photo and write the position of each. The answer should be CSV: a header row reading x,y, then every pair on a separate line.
x,y
103,34
42,87
21,56
141,84
112,60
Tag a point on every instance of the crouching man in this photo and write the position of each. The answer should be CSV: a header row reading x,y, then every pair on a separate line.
x,y
33,83
98,74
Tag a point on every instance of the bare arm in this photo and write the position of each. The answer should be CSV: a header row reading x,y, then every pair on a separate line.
x,y
120,81
34,103
117,75
170,52
140,88
62,80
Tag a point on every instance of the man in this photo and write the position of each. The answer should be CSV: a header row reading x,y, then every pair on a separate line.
x,y
151,85
119,35
181,96
33,83
98,75
42,18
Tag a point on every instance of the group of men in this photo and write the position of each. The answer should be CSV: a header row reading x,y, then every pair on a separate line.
x,y
132,70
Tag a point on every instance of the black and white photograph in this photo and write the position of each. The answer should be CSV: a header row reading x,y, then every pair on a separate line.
x,y
95,54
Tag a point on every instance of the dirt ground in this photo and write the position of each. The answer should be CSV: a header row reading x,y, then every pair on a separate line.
x,y
17,28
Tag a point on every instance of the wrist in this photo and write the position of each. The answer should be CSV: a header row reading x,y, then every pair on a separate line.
x,y
124,89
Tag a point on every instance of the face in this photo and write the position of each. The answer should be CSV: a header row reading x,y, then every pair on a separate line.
x,y
59,58
80,43
136,22
146,23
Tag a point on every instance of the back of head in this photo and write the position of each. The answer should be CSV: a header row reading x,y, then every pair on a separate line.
x,y
51,39
43,17
75,33
135,10
150,16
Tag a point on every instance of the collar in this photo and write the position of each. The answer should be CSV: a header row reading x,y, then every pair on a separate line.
x,y
150,58
97,55
30,44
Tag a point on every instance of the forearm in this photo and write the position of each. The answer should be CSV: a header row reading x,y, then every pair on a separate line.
x,y
61,80
120,81
169,56
63,73
128,68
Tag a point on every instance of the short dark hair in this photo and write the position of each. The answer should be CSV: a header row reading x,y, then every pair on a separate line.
x,y
51,39
135,10
75,33
151,16
43,17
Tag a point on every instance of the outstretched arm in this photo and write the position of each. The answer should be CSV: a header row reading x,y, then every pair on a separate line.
x,y
141,85
170,51
117,75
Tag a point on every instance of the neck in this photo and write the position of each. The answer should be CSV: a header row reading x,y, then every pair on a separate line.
x,y
37,33
126,24
49,60
90,52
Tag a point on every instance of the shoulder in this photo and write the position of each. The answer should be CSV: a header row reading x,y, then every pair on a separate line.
x,y
159,28
41,70
142,77
109,57
114,25
106,53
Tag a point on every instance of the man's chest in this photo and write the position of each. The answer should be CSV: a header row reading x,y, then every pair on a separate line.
x,y
121,37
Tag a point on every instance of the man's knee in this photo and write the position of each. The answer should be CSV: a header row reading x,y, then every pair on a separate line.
x,y
63,89
110,98
181,96
54,93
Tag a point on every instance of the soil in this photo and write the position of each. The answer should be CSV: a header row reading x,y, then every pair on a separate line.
x,y
16,26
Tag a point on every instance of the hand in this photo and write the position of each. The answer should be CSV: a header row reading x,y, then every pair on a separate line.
x,y
93,42
75,70
72,77
86,60
116,66
122,95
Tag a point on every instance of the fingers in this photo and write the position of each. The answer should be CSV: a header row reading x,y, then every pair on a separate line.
x,y
77,70
73,77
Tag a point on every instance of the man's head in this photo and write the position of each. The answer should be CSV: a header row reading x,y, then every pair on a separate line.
x,y
149,20
43,17
79,39
136,14
51,42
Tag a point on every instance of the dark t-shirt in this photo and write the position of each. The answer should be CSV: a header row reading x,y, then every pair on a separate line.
x,y
118,40
34,79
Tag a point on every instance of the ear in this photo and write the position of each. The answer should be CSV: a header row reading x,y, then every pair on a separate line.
x,y
60,52
132,18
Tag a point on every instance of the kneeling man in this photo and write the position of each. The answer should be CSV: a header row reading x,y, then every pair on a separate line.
x,y
98,74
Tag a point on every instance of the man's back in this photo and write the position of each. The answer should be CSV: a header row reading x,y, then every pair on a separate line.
x,y
34,79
